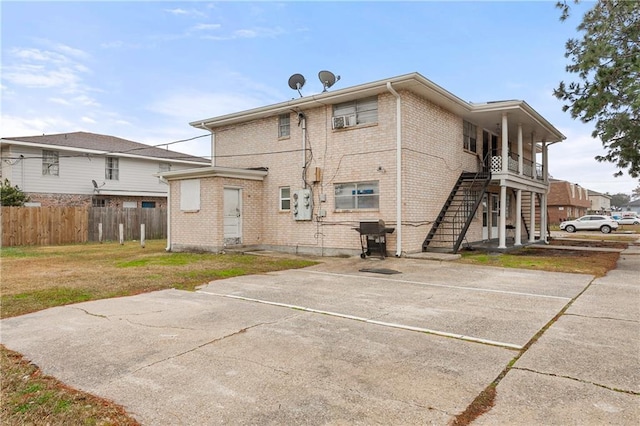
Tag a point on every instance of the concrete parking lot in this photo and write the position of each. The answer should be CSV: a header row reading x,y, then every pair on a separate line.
x,y
330,344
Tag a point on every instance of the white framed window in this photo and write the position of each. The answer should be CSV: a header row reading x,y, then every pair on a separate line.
x,y
190,195
360,111
284,125
285,198
111,168
50,163
470,136
357,195
129,204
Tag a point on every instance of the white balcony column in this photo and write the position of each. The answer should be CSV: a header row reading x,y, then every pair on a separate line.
x,y
505,143
545,162
534,172
502,219
543,218
532,217
520,151
518,238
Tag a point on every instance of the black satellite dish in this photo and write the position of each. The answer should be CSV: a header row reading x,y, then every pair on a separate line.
x,y
328,79
296,82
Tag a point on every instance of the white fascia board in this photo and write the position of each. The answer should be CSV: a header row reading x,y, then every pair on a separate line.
x,y
524,107
131,193
102,153
413,82
214,172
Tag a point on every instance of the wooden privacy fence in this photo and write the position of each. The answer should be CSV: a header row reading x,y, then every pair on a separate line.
x,y
155,221
28,226
23,226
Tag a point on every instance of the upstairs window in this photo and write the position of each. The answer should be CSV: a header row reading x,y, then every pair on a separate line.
x,y
111,170
285,198
470,132
284,125
50,163
360,111
357,195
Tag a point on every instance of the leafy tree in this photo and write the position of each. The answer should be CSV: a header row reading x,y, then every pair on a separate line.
x,y
12,195
607,63
620,200
635,193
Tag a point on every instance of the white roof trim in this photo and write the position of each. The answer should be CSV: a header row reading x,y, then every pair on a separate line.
x,y
87,151
214,172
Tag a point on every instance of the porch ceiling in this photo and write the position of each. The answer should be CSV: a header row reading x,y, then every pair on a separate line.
x,y
489,117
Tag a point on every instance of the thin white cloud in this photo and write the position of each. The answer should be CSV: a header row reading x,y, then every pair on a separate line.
x,y
248,33
34,76
19,126
88,120
185,12
60,101
205,27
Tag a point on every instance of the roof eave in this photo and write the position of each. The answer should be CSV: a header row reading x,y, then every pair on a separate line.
x,y
214,171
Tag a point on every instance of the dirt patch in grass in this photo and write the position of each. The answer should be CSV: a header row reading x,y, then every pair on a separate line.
x,y
31,398
589,243
595,263
35,278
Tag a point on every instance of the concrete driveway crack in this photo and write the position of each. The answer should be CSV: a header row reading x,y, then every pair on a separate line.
x,y
630,392
91,313
235,333
483,403
603,318
158,326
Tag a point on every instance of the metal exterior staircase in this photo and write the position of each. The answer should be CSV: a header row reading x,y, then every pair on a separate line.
x,y
450,227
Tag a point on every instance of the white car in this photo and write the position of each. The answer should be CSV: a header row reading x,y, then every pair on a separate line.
x,y
590,222
629,220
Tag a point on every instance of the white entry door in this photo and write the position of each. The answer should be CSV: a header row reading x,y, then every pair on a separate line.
x,y
490,210
232,216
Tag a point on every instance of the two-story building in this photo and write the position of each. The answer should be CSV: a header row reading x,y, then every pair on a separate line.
x,y
300,175
600,203
87,169
566,201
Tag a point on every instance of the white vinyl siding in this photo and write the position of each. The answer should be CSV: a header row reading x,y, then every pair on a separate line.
x,y
365,110
78,170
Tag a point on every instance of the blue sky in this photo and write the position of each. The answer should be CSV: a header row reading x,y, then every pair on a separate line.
x,y
143,70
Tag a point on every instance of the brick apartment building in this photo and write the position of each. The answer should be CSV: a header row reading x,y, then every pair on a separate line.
x,y
300,175
567,201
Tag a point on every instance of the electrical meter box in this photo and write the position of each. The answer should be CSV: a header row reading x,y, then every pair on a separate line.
x,y
302,204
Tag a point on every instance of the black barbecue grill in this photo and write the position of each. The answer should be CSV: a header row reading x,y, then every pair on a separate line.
x,y
373,238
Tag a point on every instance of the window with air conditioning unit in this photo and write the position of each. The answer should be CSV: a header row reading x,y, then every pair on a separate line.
x,y
343,121
352,113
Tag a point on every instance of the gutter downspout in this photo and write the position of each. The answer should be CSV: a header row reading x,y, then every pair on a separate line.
x,y
168,217
398,168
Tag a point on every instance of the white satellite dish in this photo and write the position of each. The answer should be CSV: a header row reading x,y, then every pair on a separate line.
x,y
296,82
328,79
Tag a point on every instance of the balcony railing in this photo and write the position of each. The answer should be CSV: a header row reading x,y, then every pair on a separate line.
x,y
528,166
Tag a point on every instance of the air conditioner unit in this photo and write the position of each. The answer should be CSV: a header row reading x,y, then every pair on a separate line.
x,y
343,121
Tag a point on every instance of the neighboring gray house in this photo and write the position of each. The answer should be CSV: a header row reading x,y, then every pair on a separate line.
x,y
600,203
87,169
633,206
